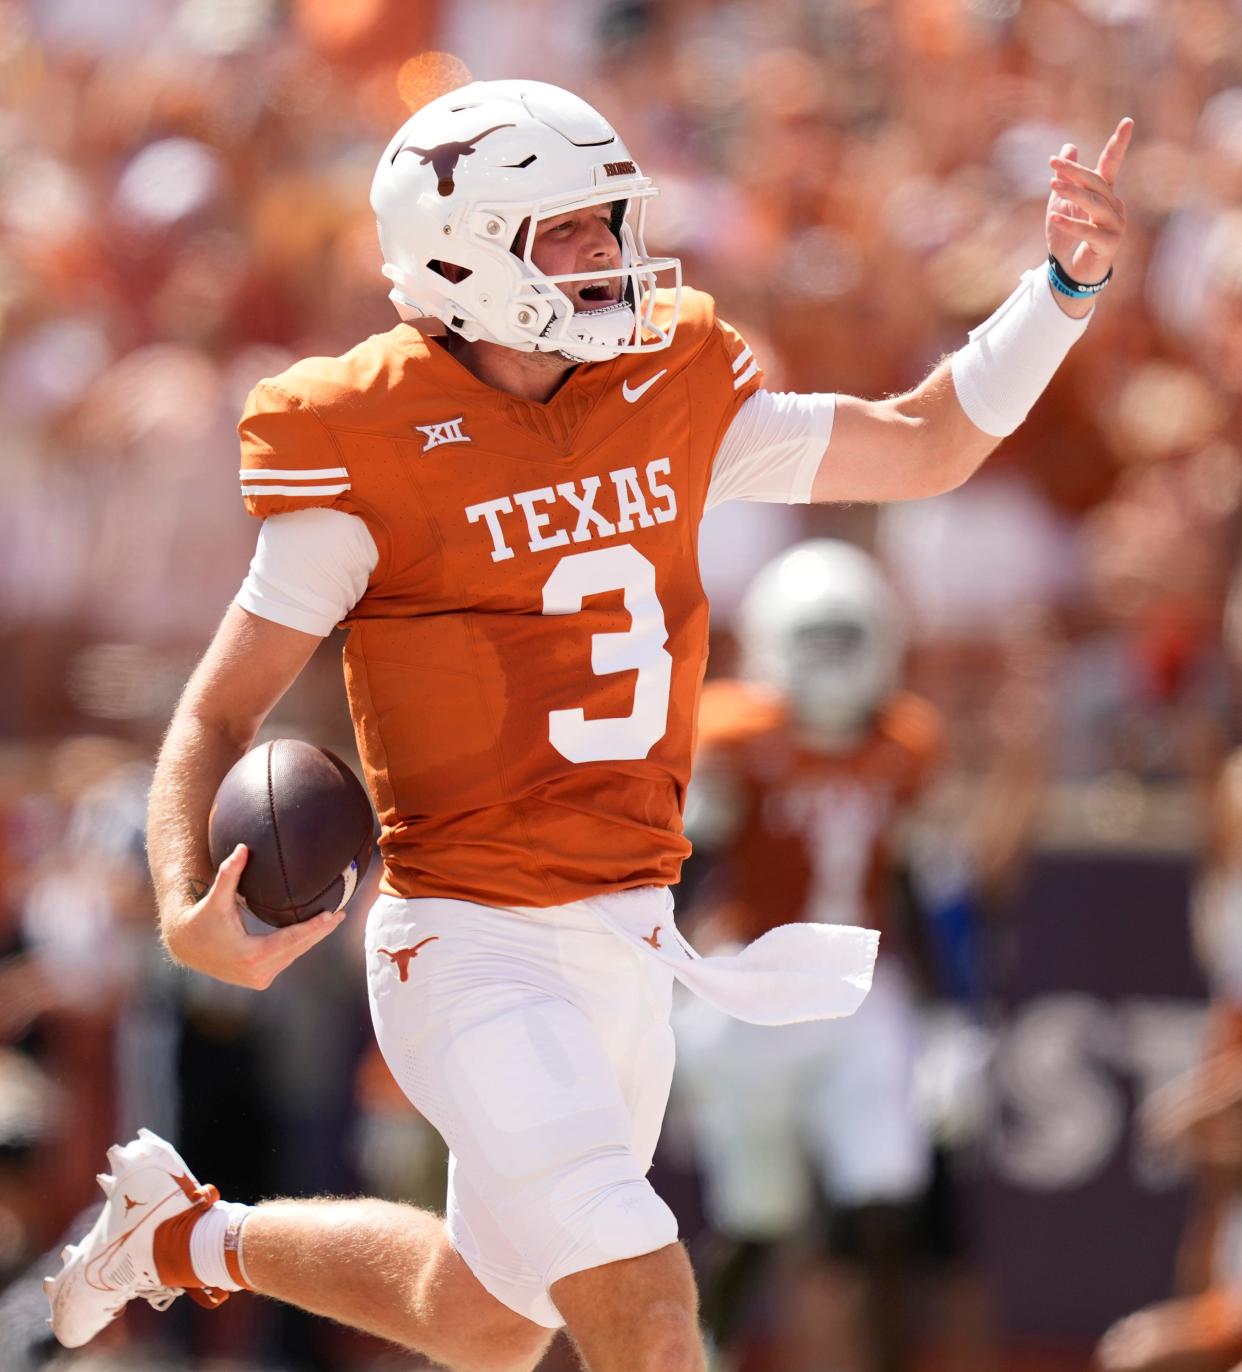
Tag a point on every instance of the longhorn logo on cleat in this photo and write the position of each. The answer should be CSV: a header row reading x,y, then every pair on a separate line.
x,y
444,157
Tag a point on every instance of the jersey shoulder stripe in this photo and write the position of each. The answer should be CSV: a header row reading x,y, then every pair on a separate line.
x,y
741,372
290,473
289,458
309,484
311,493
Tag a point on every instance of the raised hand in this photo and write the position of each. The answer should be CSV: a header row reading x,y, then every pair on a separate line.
x,y
1086,218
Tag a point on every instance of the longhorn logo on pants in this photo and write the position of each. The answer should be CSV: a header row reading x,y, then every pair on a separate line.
x,y
401,957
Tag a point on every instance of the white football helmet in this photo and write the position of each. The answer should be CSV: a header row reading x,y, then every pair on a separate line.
x,y
459,181
820,623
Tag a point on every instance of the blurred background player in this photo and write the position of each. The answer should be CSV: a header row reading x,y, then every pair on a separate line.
x,y
806,773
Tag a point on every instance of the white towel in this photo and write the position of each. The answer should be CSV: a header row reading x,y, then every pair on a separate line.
x,y
793,972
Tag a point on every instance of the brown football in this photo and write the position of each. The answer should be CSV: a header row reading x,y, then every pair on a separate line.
x,y
307,822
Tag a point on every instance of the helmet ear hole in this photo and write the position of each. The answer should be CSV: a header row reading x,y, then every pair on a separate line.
x,y
450,271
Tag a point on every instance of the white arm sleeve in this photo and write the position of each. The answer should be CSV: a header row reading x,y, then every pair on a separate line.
x,y
773,448
311,567
1011,356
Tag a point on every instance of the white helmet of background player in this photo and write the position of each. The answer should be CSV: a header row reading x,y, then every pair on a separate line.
x,y
459,181
820,623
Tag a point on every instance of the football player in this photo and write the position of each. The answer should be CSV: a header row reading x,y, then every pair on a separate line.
x,y
503,507
804,774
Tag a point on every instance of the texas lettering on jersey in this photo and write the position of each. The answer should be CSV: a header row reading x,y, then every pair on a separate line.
x,y
524,669
627,502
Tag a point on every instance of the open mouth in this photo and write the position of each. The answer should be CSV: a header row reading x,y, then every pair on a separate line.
x,y
596,294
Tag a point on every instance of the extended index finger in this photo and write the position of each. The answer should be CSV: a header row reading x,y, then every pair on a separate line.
x,y
1115,150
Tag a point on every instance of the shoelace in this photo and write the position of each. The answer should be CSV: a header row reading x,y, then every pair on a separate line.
x,y
208,1296
160,1297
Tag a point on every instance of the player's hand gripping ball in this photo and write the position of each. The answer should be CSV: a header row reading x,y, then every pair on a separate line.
x,y
307,822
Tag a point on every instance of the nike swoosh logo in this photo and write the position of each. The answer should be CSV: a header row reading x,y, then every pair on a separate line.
x,y
633,393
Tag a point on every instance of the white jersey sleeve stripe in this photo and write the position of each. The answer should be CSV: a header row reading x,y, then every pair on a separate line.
x,y
745,376
291,473
310,568
297,490
740,360
772,449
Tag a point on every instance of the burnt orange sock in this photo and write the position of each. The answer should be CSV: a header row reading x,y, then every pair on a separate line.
x,y
171,1248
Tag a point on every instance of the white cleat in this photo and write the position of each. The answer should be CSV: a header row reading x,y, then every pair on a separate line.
x,y
115,1262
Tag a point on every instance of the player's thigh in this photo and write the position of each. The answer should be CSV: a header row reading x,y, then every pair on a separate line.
x,y
742,1083
515,1076
634,1029
861,1120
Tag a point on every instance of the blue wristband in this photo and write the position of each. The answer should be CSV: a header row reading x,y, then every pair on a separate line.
x,y
1060,280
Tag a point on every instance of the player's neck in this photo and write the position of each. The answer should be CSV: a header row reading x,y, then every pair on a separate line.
x,y
530,376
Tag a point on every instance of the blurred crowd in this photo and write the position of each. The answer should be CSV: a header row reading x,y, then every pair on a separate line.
x,y
183,209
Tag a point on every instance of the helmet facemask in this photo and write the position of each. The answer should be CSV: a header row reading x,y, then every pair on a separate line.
x,y
539,315
625,326
837,674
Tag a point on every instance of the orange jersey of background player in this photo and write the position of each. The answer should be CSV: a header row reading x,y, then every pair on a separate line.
x,y
524,668
810,838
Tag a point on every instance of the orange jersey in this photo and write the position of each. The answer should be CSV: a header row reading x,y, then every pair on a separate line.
x,y
524,669
814,828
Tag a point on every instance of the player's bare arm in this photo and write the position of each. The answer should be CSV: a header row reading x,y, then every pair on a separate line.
x,y
926,442
248,667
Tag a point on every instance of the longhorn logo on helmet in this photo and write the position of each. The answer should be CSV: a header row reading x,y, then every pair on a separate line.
x,y
444,157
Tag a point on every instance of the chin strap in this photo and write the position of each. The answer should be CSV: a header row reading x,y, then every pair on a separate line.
x,y
611,327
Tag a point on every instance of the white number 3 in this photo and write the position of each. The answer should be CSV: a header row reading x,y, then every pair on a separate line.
x,y
640,647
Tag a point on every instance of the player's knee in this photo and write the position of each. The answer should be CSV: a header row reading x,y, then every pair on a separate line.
x,y
670,1338
620,1222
